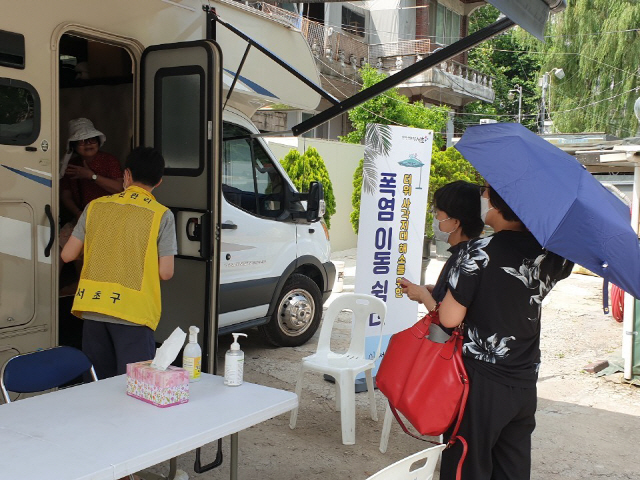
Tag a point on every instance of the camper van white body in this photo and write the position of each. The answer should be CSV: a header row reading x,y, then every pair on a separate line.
x,y
257,257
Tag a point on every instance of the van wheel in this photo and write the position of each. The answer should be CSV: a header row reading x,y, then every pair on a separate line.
x,y
297,314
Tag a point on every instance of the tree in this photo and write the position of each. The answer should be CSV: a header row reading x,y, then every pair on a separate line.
x,y
504,58
596,43
306,168
392,108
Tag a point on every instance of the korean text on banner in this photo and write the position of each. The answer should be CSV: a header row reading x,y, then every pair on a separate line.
x,y
397,162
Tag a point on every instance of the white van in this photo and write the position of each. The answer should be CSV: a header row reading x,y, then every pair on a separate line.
x,y
147,72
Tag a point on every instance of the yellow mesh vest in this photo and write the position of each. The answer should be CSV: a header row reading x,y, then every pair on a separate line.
x,y
120,274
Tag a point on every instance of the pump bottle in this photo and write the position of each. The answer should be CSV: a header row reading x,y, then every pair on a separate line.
x,y
234,363
192,356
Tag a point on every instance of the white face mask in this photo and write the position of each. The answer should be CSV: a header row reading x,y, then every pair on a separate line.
x,y
439,234
484,209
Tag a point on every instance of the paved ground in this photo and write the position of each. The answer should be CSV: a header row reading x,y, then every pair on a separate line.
x,y
588,427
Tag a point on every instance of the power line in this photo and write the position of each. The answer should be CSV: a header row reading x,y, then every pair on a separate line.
x,y
570,53
629,30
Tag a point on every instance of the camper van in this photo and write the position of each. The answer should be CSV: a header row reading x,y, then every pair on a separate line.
x,y
251,250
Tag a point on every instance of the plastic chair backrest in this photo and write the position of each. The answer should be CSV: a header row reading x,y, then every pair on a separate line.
x,y
362,305
402,469
43,370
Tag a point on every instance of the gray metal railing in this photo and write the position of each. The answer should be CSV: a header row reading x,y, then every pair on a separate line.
x,y
333,45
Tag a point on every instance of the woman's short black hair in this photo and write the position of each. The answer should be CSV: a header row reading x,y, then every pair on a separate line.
x,y
146,165
461,200
500,205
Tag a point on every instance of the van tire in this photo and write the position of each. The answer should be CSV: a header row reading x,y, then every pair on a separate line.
x,y
297,313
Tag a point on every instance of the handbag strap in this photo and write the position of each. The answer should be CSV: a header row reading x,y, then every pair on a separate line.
x,y
451,441
405,429
463,402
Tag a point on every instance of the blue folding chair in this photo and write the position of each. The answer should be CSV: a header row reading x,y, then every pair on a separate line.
x,y
43,370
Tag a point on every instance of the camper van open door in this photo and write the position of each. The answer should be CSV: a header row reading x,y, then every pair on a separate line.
x,y
181,116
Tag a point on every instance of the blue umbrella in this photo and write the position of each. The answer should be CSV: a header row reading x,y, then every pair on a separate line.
x,y
568,211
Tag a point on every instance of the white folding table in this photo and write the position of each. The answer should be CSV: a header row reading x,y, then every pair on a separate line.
x,y
95,431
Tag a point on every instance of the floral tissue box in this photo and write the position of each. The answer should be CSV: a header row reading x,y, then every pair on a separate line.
x,y
162,388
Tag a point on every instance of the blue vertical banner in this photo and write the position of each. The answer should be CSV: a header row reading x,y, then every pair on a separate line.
x,y
397,163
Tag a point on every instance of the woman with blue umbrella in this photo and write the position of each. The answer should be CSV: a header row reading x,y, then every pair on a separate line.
x,y
496,287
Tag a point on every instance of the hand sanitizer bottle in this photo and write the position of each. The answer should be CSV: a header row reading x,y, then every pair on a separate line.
x,y
192,356
234,363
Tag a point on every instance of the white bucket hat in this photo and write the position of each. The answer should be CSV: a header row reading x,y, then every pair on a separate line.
x,y
80,129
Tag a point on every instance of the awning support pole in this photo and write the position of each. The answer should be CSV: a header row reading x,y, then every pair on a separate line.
x,y
628,323
235,78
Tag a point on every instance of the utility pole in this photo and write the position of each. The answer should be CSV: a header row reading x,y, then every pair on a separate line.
x,y
543,113
517,88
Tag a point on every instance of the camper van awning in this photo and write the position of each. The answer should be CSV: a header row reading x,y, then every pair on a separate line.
x,y
530,15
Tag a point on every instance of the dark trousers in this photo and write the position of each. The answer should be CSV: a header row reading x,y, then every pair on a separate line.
x,y
497,424
110,346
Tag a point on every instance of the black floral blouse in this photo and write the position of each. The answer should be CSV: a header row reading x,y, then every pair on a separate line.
x,y
502,280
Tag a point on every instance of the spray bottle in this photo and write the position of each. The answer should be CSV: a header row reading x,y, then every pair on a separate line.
x,y
234,363
192,356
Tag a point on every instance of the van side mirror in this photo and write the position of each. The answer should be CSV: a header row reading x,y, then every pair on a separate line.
x,y
315,202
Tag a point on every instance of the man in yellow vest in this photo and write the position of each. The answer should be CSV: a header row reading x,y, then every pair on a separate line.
x,y
129,241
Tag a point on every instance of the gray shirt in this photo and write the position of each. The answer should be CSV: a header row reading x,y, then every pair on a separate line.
x,y
167,245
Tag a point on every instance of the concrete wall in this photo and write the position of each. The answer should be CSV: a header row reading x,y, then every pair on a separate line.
x,y
341,160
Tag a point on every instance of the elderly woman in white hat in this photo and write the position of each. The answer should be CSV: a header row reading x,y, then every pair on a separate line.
x,y
88,172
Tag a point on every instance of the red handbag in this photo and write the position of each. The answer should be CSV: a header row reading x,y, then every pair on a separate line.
x,y
426,381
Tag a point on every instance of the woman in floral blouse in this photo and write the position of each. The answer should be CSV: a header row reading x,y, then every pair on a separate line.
x,y
496,286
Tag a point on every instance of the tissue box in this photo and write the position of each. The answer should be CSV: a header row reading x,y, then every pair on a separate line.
x,y
158,387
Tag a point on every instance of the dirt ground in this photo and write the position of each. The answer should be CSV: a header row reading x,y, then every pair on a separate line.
x,y
587,427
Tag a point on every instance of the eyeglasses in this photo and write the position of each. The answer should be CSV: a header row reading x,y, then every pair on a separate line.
x,y
88,141
434,212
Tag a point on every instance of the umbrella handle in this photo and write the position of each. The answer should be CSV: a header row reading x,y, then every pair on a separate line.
x,y
605,296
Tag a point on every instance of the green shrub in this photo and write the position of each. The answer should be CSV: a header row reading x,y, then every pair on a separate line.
x,y
355,196
306,168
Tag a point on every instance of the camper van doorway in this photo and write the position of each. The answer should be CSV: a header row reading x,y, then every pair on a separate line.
x,y
95,83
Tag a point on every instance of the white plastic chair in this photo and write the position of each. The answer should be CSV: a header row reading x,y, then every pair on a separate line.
x,y
344,367
406,469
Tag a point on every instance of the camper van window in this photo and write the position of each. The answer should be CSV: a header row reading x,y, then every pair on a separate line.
x,y
269,183
250,180
179,133
19,113
11,49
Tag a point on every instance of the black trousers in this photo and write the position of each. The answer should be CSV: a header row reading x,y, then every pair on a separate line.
x,y
110,346
497,424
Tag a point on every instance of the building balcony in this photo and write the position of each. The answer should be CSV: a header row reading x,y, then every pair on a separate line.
x,y
340,55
